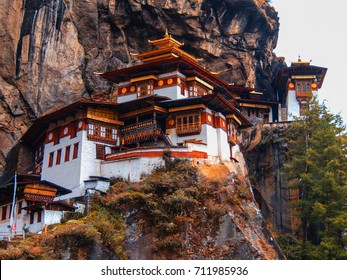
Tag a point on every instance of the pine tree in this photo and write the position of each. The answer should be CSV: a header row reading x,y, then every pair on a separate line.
x,y
317,167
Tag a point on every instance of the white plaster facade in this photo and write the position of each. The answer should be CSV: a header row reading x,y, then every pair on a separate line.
x,y
173,92
73,173
292,106
271,119
67,173
132,169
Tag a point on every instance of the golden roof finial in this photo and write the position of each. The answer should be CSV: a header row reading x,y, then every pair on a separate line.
x,y
301,62
164,48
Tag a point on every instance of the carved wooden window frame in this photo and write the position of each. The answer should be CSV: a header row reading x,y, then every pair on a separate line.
x,y
102,132
188,123
145,88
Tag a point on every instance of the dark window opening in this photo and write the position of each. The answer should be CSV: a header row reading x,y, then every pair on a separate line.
x,y
9,214
32,215
50,160
58,159
188,124
67,153
39,216
75,151
4,212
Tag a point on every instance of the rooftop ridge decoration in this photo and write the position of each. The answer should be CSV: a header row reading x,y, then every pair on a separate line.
x,y
300,62
166,47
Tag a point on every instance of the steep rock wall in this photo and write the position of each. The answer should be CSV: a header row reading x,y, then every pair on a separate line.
x,y
266,172
49,50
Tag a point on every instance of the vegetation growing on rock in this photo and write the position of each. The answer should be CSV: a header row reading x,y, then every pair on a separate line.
x,y
175,213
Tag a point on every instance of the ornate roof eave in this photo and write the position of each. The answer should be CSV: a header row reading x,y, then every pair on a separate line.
x,y
210,100
150,102
299,69
40,124
26,179
253,101
166,52
187,67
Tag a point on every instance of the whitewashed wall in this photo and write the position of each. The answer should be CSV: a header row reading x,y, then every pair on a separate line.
x,y
130,169
90,166
293,107
216,141
210,134
73,173
224,148
66,174
271,116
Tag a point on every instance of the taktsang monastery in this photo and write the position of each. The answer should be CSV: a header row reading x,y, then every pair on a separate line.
x,y
166,104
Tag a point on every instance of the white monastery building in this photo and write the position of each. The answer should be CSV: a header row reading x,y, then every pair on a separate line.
x,y
168,104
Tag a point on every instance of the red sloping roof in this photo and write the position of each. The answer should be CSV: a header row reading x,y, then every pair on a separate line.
x,y
23,180
185,65
41,123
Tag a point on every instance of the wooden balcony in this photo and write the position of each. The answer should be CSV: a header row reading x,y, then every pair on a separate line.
x,y
303,94
188,129
140,132
99,138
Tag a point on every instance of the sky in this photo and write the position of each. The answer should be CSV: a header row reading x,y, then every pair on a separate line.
x,y
317,30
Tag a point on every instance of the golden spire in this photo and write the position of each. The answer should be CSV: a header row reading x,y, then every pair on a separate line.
x,y
165,47
301,62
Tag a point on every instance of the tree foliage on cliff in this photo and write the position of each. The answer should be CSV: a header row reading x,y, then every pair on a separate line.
x,y
317,167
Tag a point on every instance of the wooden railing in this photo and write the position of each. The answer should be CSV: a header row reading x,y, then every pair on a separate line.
x,y
98,138
188,128
303,94
140,132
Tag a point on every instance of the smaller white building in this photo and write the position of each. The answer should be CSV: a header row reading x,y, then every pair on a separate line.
x,y
296,85
34,208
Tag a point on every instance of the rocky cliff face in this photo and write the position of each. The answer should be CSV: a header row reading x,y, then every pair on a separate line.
x,y
50,49
265,165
